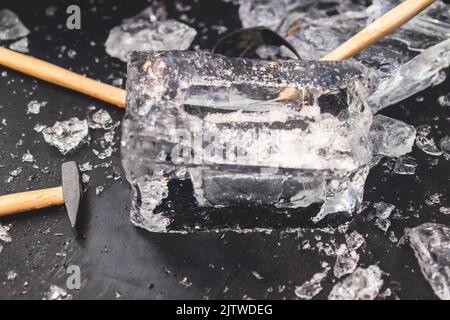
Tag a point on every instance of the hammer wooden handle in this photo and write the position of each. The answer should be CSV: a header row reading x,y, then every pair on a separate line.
x,y
31,200
378,29
62,77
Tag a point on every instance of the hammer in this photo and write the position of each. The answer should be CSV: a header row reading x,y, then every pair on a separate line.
x,y
69,194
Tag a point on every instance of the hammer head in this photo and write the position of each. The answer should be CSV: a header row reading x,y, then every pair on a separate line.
x,y
72,191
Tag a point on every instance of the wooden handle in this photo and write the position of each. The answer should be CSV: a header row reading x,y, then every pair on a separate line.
x,y
62,77
31,200
378,29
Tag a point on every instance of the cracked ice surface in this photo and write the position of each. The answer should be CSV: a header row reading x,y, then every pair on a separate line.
x,y
362,284
235,101
11,27
405,62
431,245
68,135
149,30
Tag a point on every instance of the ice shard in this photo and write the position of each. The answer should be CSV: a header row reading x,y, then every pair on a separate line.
x,y
405,62
67,135
11,28
431,245
149,30
225,124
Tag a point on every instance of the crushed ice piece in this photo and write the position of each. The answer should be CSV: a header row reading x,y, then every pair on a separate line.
x,y
346,261
85,178
444,100
444,210
27,157
104,154
362,284
148,31
312,287
405,165
354,241
433,199
431,245
85,166
383,224
39,127
99,190
16,172
185,282
257,275
392,237
20,45
57,293
383,210
11,275
71,53
68,135
444,144
4,233
11,27
34,106
427,145
101,119
391,137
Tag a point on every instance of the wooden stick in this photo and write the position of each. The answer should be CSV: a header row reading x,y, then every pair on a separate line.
x,y
31,200
62,77
378,29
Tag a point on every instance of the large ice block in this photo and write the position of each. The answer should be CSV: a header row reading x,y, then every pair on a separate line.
x,y
222,125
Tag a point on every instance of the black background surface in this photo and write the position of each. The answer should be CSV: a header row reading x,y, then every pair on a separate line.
x,y
118,259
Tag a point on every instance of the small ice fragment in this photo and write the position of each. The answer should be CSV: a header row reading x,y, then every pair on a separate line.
x,y
444,210
148,31
57,293
392,237
34,106
433,199
11,27
362,284
444,100
101,119
354,241
383,224
312,287
257,275
85,178
105,153
11,275
431,245
405,165
99,190
346,262
71,53
185,282
68,135
85,166
383,209
118,295
118,82
4,233
391,137
427,145
16,172
39,127
27,157
20,45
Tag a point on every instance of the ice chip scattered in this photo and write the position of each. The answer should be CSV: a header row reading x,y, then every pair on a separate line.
x,y
57,293
101,119
11,27
431,245
362,284
4,233
148,31
67,135
20,45
312,287
34,106
405,165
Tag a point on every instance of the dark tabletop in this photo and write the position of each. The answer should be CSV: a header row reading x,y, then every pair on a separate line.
x,y
118,260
